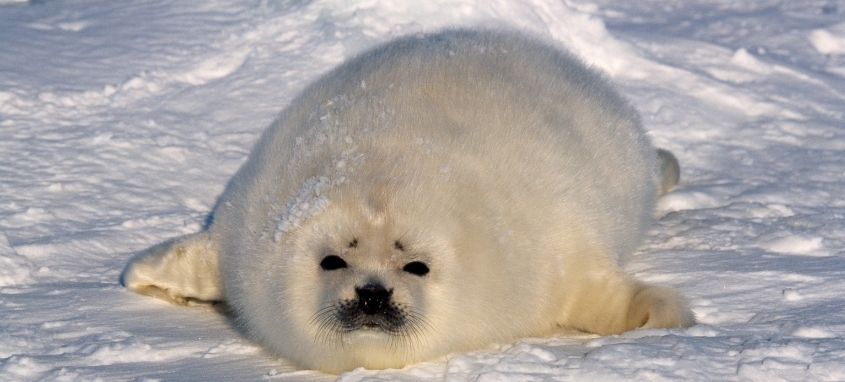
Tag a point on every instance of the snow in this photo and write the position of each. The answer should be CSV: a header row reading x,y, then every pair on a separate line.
x,y
829,41
14,268
120,123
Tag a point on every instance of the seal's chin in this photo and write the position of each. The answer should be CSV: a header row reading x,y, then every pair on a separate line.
x,y
366,339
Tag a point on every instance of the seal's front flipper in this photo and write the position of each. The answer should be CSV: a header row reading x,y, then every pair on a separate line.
x,y
181,270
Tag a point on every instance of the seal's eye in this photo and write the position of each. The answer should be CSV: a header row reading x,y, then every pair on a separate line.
x,y
416,268
332,262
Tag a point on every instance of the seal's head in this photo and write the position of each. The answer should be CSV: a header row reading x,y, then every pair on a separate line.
x,y
362,281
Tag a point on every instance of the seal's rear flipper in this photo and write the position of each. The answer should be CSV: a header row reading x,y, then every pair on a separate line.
x,y
626,304
182,270
670,171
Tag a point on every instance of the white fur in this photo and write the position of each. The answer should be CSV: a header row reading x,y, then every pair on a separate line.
x,y
518,175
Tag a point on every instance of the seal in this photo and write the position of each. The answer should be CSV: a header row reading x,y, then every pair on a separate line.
x,y
436,194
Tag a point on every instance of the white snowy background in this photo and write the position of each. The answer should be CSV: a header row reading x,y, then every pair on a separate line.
x,y
120,123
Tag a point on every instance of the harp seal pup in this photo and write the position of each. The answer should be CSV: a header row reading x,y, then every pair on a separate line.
x,y
436,194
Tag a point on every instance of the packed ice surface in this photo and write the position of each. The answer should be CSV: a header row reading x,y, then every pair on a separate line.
x,y
120,123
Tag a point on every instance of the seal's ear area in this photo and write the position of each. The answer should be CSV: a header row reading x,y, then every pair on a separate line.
x,y
182,270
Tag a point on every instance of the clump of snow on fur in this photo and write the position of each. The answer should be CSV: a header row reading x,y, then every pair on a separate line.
x,y
310,200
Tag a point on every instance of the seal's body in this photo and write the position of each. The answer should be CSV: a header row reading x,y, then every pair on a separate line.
x,y
436,194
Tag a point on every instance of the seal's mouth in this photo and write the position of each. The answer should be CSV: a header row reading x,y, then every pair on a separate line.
x,y
390,319
347,317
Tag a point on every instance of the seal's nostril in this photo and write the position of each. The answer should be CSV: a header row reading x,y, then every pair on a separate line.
x,y
373,298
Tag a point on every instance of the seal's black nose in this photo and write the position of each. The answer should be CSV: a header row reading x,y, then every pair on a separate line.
x,y
373,298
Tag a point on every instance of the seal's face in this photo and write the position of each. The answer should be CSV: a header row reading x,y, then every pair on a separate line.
x,y
373,278
369,294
